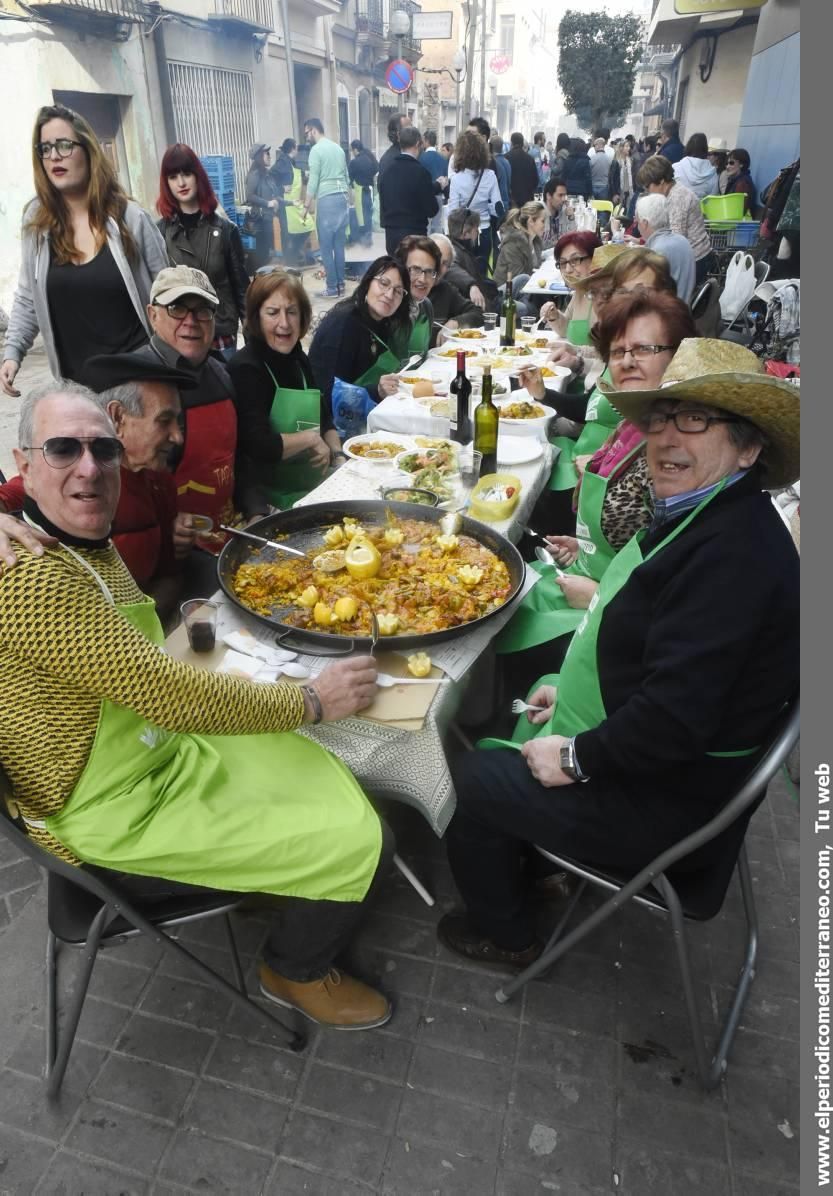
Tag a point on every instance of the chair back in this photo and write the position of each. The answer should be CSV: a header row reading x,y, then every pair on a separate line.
x,y
701,865
705,308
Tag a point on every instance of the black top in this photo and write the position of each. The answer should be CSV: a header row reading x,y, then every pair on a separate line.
x,y
449,304
255,390
363,168
91,312
344,347
409,195
698,652
524,182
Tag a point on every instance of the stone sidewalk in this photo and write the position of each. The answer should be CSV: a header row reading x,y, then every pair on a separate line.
x,y
582,1086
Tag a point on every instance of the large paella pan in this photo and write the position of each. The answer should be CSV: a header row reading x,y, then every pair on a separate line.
x,y
423,588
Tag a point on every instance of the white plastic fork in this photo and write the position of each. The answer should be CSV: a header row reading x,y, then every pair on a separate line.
x,y
518,707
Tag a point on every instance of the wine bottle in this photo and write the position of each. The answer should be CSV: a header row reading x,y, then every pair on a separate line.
x,y
486,426
507,317
461,388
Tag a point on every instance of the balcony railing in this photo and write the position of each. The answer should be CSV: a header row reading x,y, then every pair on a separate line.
x,y
257,13
370,17
408,6
121,10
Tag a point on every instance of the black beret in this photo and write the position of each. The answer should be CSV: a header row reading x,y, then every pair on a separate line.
x,y
114,369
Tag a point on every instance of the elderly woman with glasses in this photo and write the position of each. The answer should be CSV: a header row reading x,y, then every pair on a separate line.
x,y
89,255
285,430
362,339
676,674
638,333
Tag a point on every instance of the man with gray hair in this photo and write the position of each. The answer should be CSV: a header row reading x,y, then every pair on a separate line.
x,y
654,222
141,399
451,307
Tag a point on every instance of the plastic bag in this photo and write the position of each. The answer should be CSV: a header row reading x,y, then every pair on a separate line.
x,y
351,405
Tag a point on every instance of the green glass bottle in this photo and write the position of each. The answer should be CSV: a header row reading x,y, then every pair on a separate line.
x,y
507,317
486,426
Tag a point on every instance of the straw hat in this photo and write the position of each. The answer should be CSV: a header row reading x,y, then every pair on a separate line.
x,y
725,375
603,259
717,145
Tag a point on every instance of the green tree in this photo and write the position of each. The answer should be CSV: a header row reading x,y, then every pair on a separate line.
x,y
597,60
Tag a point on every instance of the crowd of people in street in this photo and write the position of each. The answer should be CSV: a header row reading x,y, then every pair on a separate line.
x,y
158,429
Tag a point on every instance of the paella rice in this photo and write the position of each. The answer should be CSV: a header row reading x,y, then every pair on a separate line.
x,y
422,585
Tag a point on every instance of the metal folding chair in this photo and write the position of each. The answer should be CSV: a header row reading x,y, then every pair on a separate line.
x,y
694,894
86,912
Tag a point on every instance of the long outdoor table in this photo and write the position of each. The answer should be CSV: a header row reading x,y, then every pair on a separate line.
x,y
406,763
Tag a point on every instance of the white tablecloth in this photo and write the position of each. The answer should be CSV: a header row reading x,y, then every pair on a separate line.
x,y
550,275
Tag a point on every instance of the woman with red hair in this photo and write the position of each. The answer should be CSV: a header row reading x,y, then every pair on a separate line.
x,y
198,234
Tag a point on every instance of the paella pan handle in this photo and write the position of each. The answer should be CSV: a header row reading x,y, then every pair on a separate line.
x,y
284,639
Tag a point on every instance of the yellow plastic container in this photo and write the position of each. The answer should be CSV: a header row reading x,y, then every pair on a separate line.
x,y
494,512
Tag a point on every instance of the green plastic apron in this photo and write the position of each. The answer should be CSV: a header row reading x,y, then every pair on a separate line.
x,y
578,332
600,420
544,614
388,363
293,411
271,813
579,704
297,220
420,338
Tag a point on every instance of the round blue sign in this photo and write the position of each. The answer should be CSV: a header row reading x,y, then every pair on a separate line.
x,y
399,76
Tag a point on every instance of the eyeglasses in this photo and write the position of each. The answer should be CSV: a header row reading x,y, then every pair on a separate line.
x,y
692,423
571,263
421,272
386,285
62,451
63,147
640,352
178,311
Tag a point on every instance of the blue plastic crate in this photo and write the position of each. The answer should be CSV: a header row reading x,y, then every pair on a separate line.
x,y
248,241
746,233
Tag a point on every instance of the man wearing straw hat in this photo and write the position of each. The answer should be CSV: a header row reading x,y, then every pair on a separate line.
x,y
676,674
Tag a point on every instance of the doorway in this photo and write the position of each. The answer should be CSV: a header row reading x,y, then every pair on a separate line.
x,y
103,114
344,126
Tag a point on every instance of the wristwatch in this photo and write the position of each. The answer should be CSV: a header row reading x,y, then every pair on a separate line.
x,y
568,763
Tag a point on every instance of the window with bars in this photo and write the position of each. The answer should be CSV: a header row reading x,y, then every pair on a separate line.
x,y
214,113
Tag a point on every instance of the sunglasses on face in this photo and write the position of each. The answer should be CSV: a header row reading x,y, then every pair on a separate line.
x,y
63,147
62,451
178,311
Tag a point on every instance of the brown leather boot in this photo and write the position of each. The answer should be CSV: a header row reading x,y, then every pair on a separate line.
x,y
337,1000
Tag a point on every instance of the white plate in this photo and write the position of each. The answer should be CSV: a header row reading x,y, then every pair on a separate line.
x,y
517,450
377,438
472,342
524,425
448,353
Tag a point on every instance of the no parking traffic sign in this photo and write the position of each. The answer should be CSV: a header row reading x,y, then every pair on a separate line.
x,y
399,76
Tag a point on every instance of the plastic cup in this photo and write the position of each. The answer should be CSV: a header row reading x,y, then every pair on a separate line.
x,y
200,618
202,524
528,323
469,461
490,320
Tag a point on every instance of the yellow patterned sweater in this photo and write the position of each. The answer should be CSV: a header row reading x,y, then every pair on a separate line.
x,y
64,648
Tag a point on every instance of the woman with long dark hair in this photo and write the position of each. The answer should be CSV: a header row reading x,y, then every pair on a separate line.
x,y
362,339
89,255
197,235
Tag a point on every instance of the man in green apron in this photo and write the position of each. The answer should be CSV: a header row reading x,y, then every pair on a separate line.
x,y
124,759
676,672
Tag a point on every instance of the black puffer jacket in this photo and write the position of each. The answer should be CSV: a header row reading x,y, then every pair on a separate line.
x,y
212,245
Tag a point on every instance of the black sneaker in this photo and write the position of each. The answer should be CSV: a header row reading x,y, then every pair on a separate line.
x,y
454,932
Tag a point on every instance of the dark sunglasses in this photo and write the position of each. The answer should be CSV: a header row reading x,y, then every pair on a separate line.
x,y
62,451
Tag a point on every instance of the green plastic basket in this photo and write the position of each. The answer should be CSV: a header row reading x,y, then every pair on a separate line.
x,y
723,207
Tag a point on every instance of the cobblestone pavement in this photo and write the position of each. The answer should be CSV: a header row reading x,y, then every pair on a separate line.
x,y
583,1085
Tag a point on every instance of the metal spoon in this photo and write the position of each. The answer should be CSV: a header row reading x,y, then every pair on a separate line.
x,y
235,531
546,558
374,632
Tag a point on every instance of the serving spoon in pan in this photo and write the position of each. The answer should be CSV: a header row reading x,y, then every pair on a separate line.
x,y
236,531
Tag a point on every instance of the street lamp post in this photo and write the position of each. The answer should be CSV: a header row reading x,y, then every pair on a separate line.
x,y
458,65
400,24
